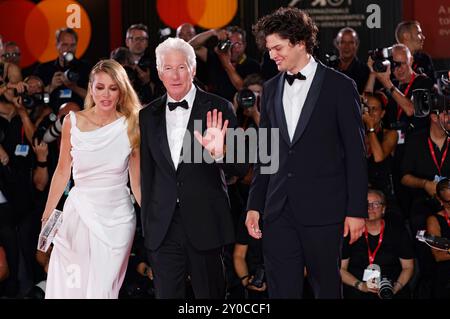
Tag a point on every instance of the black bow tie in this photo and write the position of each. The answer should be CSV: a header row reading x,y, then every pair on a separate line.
x,y
290,78
174,105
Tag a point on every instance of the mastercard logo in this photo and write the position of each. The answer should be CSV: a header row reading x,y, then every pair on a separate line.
x,y
33,26
208,14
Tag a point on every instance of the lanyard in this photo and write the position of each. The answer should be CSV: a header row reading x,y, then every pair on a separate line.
x,y
400,110
433,155
380,240
447,218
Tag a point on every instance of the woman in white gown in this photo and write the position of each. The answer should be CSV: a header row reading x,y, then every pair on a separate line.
x,y
100,144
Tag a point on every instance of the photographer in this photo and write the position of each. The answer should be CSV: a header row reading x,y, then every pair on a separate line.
x,y
400,113
32,106
65,78
439,225
227,63
147,81
10,75
400,110
347,43
384,244
380,145
248,262
11,53
410,34
246,101
18,177
424,164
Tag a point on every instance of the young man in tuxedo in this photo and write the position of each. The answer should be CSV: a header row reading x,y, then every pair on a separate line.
x,y
319,192
185,209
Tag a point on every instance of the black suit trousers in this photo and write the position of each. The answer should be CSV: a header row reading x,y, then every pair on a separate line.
x,y
289,247
176,259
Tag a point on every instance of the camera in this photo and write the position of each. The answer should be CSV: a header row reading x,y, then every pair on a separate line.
x,y
49,129
381,57
224,45
246,98
71,73
374,280
258,278
385,289
332,60
30,101
426,101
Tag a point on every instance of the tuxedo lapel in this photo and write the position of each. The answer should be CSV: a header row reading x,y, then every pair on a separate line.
x,y
310,102
161,130
279,109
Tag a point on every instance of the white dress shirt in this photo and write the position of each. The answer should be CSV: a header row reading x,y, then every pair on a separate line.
x,y
294,96
176,124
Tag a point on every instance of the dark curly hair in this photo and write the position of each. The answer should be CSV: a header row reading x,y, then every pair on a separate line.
x,y
289,23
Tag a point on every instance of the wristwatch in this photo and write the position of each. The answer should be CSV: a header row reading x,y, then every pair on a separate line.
x,y
357,284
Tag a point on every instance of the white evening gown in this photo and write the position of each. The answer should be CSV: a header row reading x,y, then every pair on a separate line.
x,y
92,246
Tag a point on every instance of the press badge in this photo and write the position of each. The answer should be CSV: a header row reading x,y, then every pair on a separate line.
x,y
22,150
401,137
370,274
438,178
65,94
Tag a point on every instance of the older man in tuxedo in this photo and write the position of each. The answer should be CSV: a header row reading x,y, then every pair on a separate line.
x,y
185,207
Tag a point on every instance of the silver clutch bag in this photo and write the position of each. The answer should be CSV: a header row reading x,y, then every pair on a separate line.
x,y
49,230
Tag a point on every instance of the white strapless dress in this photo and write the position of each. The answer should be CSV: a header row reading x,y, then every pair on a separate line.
x,y
92,246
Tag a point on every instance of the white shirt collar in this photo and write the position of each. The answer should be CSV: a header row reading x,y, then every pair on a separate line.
x,y
308,69
189,97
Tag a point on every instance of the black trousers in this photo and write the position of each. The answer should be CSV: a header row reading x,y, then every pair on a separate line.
x,y
176,259
289,246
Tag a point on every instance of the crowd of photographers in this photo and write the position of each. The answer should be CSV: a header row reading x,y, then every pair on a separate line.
x,y
406,141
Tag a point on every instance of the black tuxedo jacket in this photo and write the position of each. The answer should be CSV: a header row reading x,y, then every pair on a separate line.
x,y
322,172
198,189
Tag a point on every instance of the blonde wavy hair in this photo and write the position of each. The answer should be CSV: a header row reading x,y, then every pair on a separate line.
x,y
128,104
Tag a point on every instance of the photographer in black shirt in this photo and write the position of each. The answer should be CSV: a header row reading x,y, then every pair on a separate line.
x,y
147,84
65,78
384,244
410,34
347,43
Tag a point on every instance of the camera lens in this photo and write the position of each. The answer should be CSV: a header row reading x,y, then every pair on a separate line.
x,y
72,75
224,45
246,98
386,290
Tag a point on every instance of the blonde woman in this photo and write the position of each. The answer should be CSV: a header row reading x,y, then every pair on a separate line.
x,y
99,145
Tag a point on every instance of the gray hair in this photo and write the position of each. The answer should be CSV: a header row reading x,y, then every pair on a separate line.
x,y
175,44
346,30
378,193
404,48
